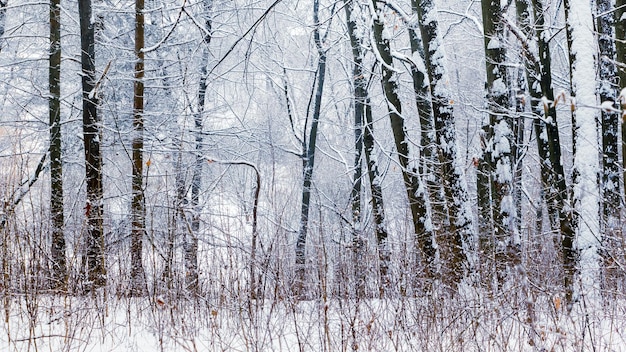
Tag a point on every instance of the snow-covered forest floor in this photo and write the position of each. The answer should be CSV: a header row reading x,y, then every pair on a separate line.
x,y
463,323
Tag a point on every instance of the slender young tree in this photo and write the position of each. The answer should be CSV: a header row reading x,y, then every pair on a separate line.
x,y
360,95
96,270
378,205
539,76
364,146
191,243
620,49
537,60
138,285
415,189
462,234
582,262
607,91
308,161
59,270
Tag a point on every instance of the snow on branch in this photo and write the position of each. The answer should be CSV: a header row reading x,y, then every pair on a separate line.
x,y
157,45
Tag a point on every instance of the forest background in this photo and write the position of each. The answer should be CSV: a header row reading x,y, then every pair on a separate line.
x,y
273,175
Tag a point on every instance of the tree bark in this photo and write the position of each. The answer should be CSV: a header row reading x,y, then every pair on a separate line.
x,y
378,205
498,142
608,87
309,160
620,48
415,189
428,146
59,268
462,235
360,97
138,285
96,270
580,251
191,244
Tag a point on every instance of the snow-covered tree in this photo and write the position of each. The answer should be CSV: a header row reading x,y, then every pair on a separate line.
x,y
462,235
586,194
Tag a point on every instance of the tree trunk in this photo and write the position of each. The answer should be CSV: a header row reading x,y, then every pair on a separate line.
x,y
415,189
539,77
428,146
462,235
498,141
586,195
138,285
620,48
309,160
96,270
59,269
608,86
360,97
191,244
378,205
517,158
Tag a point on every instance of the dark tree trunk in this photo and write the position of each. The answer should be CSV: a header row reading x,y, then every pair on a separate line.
x,y
378,206
59,270
620,48
497,151
360,97
191,243
96,270
416,192
309,160
429,163
462,235
517,152
137,275
549,146
608,79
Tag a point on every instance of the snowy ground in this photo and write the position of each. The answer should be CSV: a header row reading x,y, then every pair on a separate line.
x,y
47,323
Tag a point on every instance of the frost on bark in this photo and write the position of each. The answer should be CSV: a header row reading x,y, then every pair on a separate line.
x,y
59,268
415,188
620,48
497,145
96,270
581,255
429,162
359,84
517,158
364,145
461,236
607,91
138,285
308,160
